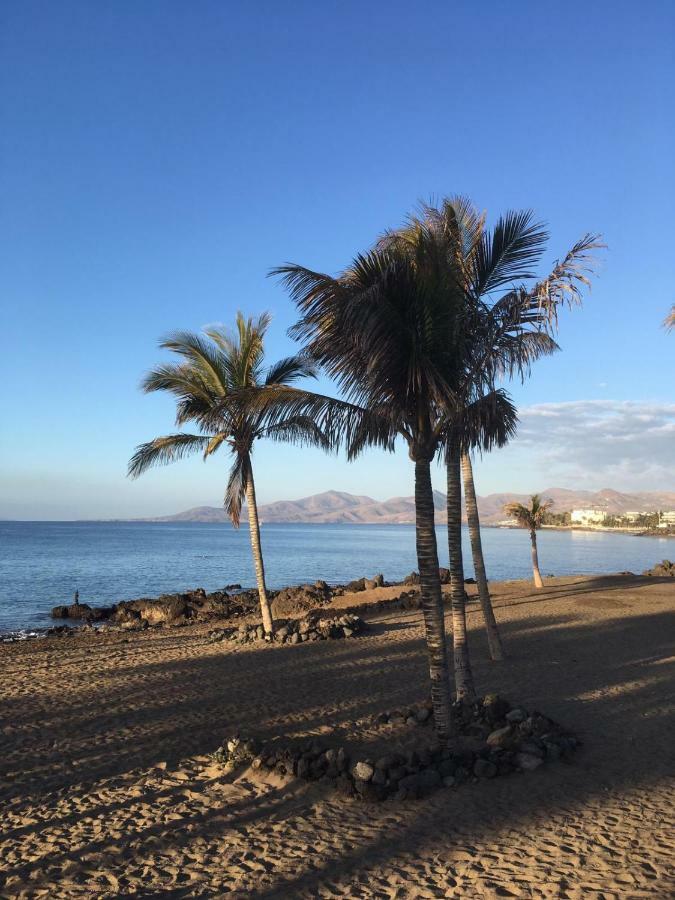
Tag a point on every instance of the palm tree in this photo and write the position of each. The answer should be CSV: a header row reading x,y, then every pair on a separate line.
x,y
389,333
216,368
531,517
669,322
508,335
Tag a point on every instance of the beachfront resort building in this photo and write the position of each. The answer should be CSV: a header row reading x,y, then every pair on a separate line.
x,y
588,516
667,519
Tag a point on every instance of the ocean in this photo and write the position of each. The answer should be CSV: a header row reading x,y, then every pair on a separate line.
x,y
42,564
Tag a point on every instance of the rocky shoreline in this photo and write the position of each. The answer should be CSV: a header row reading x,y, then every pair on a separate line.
x,y
231,603
234,603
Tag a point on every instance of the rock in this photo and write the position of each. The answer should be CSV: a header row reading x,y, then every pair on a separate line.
x,y
379,777
369,584
449,781
411,720
362,771
73,611
495,707
387,762
294,638
423,714
302,770
469,581
300,598
444,575
345,785
366,790
447,767
355,587
527,762
484,768
552,750
663,569
531,748
516,715
501,737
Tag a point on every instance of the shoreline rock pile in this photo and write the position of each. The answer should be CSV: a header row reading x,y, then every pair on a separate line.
x,y
294,631
505,740
168,609
663,569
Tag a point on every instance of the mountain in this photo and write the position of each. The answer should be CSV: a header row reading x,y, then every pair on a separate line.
x,y
338,507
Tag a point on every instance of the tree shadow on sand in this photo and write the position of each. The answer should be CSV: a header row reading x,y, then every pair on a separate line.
x,y
606,680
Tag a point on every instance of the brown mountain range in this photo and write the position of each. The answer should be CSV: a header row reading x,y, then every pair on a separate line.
x,y
338,507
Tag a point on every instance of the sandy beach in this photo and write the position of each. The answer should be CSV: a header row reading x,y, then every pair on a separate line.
x,y
108,790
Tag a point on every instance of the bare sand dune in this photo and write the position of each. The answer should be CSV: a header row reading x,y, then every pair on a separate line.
x,y
107,788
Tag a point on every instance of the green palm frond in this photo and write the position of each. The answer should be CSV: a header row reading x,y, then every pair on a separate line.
x,y
201,356
164,450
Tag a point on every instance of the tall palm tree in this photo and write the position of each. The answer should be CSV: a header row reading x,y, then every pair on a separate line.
x,y
488,422
531,517
508,335
389,332
215,368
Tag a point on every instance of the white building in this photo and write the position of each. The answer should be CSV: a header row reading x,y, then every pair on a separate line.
x,y
587,516
666,519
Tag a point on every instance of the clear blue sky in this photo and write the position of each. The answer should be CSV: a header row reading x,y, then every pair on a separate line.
x,y
157,158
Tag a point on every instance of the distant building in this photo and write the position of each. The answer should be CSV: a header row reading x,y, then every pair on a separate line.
x,y
588,516
667,519
631,516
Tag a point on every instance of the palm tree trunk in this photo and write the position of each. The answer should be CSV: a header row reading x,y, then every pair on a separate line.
x,y
535,560
432,600
254,528
463,675
494,641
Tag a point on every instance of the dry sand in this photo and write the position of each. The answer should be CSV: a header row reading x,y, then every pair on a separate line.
x,y
107,790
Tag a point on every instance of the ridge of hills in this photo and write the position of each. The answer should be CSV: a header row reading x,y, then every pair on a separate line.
x,y
339,507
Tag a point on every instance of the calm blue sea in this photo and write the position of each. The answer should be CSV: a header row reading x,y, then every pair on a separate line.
x,y
43,563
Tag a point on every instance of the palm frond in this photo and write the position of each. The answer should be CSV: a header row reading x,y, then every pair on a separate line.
x,y
291,369
302,431
235,491
531,516
669,322
201,355
508,252
164,450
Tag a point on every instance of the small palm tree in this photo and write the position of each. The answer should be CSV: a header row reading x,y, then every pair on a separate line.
x,y
669,322
531,517
216,371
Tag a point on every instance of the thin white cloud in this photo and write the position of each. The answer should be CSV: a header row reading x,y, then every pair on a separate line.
x,y
622,444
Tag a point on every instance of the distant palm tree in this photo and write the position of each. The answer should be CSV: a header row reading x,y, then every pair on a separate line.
x,y
669,322
217,367
531,517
